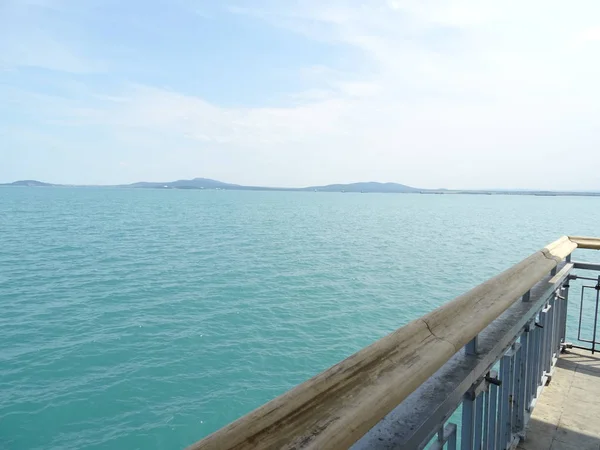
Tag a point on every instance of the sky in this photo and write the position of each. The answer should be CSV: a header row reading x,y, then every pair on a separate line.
x,y
429,93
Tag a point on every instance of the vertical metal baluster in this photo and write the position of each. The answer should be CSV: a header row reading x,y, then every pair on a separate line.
x,y
515,404
521,392
550,319
580,315
558,304
546,333
555,314
486,413
530,364
492,417
549,336
565,303
535,381
596,316
508,431
440,436
478,421
559,323
445,435
452,440
468,422
503,400
543,336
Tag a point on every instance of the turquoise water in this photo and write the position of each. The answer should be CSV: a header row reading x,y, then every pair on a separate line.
x,y
147,318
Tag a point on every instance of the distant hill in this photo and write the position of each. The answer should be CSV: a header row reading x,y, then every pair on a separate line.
x,y
371,186
206,183
202,183
196,183
28,183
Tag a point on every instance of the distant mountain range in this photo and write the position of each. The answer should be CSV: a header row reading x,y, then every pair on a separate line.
x,y
362,187
206,183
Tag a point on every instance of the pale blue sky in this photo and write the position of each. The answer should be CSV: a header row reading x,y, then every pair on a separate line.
x,y
431,93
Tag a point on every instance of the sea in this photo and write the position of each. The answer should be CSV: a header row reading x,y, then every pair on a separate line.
x,y
147,319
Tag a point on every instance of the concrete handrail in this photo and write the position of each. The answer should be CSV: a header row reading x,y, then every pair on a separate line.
x,y
335,408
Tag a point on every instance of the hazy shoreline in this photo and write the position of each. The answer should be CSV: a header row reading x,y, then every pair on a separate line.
x,y
362,187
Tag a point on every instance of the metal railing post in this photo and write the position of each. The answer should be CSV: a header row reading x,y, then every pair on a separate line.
x,y
478,421
543,339
531,332
536,377
445,435
490,443
467,431
504,401
565,303
472,346
548,350
596,316
508,432
452,438
521,391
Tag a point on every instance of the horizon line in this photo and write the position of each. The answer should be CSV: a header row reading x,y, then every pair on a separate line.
x,y
532,190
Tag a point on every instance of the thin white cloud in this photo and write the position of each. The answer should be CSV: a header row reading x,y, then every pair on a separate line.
x,y
36,49
26,41
591,34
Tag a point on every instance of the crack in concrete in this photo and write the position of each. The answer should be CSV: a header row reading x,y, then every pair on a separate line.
x,y
546,252
556,259
437,337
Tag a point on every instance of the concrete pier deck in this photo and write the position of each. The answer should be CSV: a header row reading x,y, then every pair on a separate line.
x,y
567,414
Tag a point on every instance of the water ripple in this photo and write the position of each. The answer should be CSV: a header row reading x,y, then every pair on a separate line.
x,y
147,319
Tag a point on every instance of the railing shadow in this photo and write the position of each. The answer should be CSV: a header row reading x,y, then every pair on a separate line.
x,y
580,361
549,436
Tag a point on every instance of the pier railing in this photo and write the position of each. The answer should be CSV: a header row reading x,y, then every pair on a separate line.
x,y
485,355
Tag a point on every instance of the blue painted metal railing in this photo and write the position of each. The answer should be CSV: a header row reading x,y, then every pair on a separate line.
x,y
495,409
523,344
